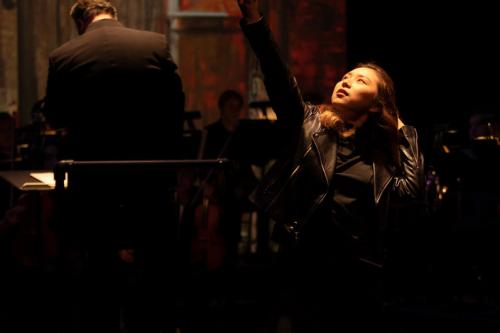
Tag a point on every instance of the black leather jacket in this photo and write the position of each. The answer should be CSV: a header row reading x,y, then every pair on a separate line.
x,y
295,186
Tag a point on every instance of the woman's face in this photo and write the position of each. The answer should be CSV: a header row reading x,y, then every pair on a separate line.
x,y
354,95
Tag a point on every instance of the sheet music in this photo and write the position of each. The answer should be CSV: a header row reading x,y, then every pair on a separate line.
x,y
45,179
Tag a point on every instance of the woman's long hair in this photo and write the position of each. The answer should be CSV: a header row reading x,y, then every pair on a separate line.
x,y
381,128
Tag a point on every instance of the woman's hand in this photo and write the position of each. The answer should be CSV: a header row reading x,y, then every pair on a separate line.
x,y
250,10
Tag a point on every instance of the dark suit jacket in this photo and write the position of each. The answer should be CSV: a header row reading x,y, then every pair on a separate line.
x,y
117,93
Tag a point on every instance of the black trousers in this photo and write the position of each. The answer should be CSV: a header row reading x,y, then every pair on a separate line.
x,y
322,286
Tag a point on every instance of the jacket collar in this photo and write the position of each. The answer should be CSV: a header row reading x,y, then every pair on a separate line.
x,y
381,178
326,145
103,23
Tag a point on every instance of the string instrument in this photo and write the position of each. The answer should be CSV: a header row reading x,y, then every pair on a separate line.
x,y
207,245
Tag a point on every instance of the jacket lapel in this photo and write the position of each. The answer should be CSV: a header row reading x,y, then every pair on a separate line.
x,y
325,143
381,178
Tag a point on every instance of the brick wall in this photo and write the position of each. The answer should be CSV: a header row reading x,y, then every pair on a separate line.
x,y
212,58
317,46
8,58
211,53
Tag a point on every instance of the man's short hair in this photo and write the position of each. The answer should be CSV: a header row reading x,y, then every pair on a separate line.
x,y
86,10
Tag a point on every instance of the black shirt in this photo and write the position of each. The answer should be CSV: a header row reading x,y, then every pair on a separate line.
x,y
218,141
350,204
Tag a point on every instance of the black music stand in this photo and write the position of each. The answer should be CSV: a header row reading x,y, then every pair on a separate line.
x,y
87,191
107,206
257,141
76,171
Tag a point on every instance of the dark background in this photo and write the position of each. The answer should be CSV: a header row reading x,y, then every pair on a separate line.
x,y
443,56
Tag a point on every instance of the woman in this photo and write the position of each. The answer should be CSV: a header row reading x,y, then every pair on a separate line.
x,y
329,194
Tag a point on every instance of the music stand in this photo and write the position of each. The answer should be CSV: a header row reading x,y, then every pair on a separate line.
x,y
95,226
94,199
73,171
257,141
84,188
